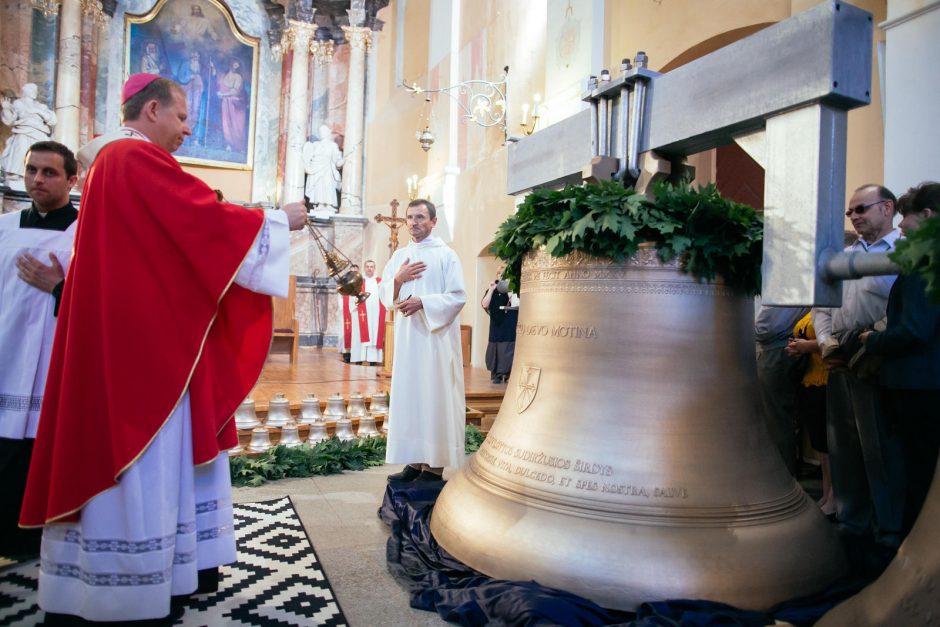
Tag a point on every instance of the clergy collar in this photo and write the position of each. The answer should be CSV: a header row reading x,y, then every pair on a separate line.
x,y
57,219
45,214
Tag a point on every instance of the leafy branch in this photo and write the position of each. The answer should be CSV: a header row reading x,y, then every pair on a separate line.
x,y
919,253
711,236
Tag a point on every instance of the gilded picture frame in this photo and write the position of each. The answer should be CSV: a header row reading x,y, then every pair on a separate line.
x,y
197,44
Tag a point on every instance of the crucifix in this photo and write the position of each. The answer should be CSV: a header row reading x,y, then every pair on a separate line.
x,y
393,222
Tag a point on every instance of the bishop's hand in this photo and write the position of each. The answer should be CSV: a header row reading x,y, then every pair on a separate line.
x,y
296,215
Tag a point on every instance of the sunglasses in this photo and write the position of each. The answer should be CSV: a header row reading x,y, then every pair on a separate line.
x,y
860,209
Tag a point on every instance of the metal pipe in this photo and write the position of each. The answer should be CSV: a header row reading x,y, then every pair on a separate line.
x,y
592,85
625,67
843,266
603,127
638,107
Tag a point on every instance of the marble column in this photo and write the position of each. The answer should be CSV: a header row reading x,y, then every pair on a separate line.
x,y
93,23
68,75
359,37
297,111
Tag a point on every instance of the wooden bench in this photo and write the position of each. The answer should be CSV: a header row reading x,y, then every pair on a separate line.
x,y
286,329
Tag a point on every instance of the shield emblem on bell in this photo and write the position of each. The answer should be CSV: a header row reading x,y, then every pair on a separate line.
x,y
528,386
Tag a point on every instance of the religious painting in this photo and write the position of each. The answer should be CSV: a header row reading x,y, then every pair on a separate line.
x,y
197,44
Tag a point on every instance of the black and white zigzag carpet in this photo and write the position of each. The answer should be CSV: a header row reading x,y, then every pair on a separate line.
x,y
277,579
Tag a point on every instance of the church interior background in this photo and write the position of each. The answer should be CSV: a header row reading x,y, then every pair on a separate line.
x,y
348,64
379,72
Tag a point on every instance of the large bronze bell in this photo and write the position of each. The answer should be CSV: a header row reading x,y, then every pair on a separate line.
x,y
245,416
628,462
260,440
278,411
310,410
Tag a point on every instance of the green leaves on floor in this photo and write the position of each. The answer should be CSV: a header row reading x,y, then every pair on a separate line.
x,y
326,458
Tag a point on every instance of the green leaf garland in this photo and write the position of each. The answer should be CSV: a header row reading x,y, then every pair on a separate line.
x,y
328,457
711,236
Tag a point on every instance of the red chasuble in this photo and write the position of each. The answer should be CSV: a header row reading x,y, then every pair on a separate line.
x,y
149,309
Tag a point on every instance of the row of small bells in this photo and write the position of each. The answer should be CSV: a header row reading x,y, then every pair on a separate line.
x,y
280,417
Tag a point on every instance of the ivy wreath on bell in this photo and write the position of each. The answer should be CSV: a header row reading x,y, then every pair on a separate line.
x,y
710,235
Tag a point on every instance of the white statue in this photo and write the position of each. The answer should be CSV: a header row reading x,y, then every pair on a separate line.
x,y
322,160
31,121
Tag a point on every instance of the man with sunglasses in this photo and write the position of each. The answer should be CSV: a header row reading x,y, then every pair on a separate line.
x,y
865,457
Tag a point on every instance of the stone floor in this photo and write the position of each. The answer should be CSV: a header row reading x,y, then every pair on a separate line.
x,y
339,513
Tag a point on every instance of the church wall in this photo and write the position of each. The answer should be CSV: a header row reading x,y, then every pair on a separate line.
x,y
547,56
912,146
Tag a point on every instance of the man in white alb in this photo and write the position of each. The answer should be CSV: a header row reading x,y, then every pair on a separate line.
x,y
424,282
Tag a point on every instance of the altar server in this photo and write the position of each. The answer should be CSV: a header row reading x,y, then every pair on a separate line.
x,y
35,248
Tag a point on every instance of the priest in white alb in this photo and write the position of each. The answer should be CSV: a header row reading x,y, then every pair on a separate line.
x,y
368,332
424,282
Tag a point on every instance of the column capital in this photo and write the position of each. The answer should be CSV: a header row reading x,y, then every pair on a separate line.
x,y
359,37
95,10
298,34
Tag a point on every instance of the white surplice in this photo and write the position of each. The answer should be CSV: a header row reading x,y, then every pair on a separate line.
x,y
28,325
426,404
366,350
144,540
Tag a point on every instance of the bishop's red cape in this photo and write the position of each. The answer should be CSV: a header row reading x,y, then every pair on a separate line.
x,y
363,321
149,309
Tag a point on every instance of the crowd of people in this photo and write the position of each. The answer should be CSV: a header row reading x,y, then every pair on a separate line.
x,y
863,381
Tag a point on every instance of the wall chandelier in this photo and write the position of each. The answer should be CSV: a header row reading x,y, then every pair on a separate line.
x,y
482,102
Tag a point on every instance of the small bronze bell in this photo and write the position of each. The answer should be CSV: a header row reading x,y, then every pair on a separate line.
x,y
344,430
290,436
367,427
245,416
379,407
310,410
379,404
357,406
278,411
260,440
335,407
317,433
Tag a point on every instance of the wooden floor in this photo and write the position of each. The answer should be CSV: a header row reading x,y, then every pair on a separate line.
x,y
322,372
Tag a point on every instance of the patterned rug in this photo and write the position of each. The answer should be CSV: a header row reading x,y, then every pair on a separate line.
x,y
277,579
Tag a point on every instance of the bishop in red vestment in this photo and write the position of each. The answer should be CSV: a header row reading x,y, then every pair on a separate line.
x,y
164,326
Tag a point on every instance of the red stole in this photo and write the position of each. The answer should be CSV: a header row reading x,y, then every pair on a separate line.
x,y
149,309
347,325
364,320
